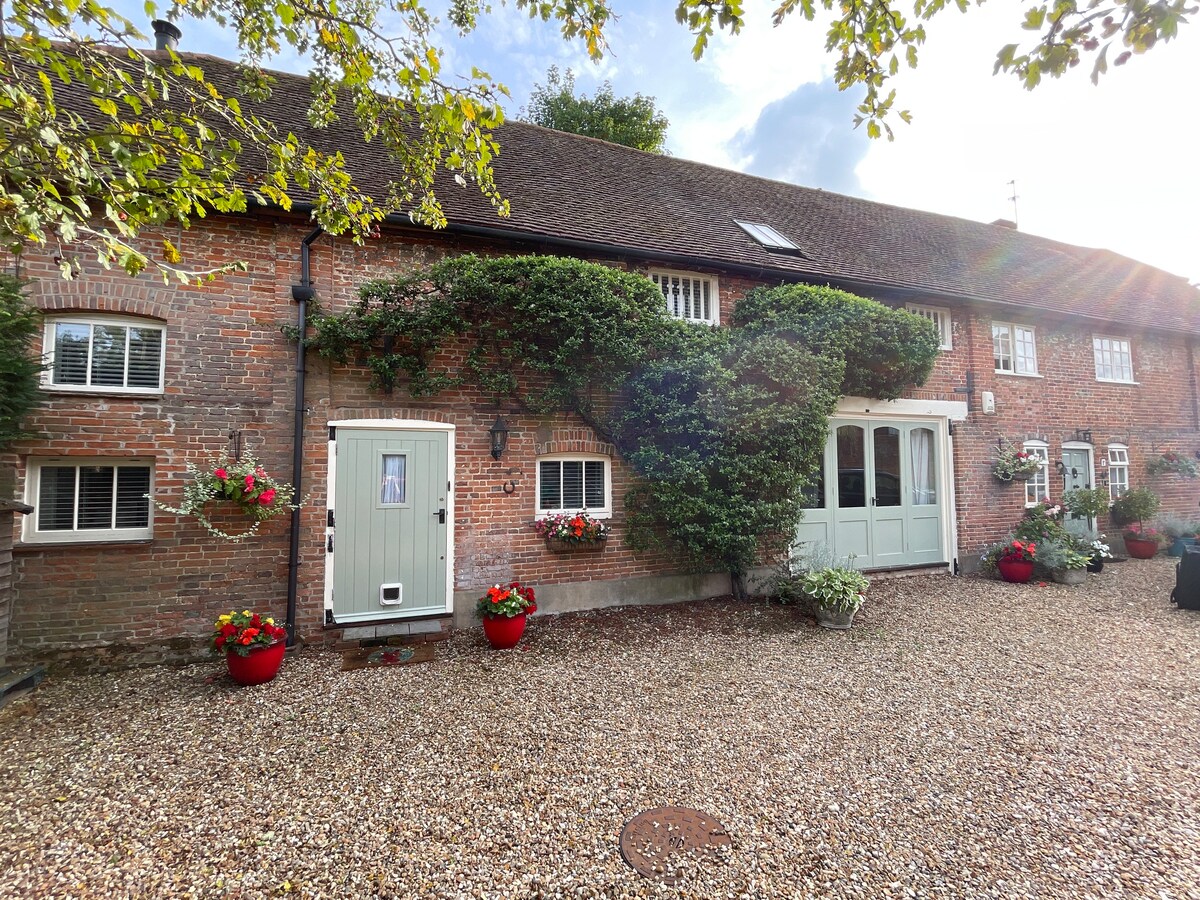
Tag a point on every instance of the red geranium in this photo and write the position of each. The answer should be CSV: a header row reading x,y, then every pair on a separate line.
x,y
221,473
513,599
241,632
267,497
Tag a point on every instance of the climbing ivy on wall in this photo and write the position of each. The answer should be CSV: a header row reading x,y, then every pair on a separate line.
x,y
725,426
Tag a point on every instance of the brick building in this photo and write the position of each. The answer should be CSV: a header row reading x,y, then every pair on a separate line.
x,y
1080,355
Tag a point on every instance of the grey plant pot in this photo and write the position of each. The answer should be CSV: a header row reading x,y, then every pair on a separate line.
x,y
1070,576
828,617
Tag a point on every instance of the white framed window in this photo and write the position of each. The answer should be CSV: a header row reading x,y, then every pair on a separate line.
x,y
1014,348
691,297
940,317
1114,358
1118,470
88,500
115,354
1037,488
574,482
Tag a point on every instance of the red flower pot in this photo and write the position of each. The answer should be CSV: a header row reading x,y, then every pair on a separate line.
x,y
1140,549
1017,571
259,667
503,632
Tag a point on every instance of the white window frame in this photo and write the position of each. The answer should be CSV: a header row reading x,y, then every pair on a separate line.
x,y
1032,495
714,293
1017,364
33,471
601,513
1115,346
941,319
48,347
1118,460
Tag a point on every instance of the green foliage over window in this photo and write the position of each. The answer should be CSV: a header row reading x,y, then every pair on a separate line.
x,y
19,365
725,427
885,350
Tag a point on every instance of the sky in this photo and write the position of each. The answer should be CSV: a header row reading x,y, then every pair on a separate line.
x,y
1114,166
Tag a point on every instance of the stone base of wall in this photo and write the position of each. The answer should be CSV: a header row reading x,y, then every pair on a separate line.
x,y
650,590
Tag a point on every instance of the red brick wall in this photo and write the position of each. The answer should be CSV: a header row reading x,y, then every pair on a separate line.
x,y
230,369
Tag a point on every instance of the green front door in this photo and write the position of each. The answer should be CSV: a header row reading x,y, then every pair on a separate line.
x,y
879,497
391,524
1077,473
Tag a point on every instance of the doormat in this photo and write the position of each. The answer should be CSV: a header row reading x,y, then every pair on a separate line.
x,y
369,657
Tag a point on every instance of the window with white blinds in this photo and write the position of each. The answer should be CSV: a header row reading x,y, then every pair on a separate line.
x,y
573,484
104,354
693,298
92,500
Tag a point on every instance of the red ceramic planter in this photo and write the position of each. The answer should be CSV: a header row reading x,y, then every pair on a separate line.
x,y
259,667
1017,571
503,632
1141,549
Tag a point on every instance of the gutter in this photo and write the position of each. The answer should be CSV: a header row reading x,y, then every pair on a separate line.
x,y
302,293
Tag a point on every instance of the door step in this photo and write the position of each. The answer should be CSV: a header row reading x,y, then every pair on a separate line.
x,y
395,634
907,571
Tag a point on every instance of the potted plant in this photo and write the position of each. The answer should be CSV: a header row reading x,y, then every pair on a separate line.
x,y
1012,463
242,486
503,610
1137,505
1066,560
1100,552
1014,560
1175,464
565,532
837,593
1180,532
253,645
1086,503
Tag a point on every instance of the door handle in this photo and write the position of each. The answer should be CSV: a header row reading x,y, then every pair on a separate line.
x,y
441,516
329,544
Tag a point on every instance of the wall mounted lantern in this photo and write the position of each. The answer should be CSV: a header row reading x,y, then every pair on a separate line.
x,y
499,436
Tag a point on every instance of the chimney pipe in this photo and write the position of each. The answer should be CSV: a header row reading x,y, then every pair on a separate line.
x,y
166,35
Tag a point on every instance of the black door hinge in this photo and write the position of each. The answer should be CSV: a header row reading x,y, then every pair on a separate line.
x,y
329,517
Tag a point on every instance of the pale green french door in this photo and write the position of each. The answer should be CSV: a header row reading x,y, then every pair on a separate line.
x,y
389,538
880,497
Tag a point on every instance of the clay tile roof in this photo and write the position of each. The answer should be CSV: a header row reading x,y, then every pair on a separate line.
x,y
566,187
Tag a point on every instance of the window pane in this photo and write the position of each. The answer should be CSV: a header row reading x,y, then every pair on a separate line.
x,y
1026,352
593,471
887,466
393,478
108,355
572,484
96,497
1038,486
1002,347
550,493
70,353
145,357
920,451
851,463
133,509
56,498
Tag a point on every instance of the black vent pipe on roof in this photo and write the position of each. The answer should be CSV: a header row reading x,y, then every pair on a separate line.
x,y
166,35
302,293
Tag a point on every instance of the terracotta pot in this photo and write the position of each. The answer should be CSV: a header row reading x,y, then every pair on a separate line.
x,y
1140,549
503,632
1016,571
260,666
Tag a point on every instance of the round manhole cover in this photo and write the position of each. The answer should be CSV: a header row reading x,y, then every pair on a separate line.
x,y
650,839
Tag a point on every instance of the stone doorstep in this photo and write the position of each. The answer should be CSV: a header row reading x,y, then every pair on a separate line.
x,y
22,681
393,634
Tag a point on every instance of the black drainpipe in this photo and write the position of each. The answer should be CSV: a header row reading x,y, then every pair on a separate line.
x,y
301,293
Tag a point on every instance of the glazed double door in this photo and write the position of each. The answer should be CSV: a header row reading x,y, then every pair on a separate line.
x,y
880,496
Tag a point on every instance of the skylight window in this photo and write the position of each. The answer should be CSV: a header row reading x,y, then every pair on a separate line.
x,y
767,236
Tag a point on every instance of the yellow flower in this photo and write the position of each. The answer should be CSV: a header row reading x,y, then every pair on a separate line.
x,y
224,620
270,621
245,612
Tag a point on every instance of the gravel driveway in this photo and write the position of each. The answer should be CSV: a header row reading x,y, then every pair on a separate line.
x,y
966,739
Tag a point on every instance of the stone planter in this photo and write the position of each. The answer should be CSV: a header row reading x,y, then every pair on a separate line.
x,y
1070,576
831,617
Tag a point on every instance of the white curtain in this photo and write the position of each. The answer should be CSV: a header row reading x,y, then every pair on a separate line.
x,y
392,486
921,462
